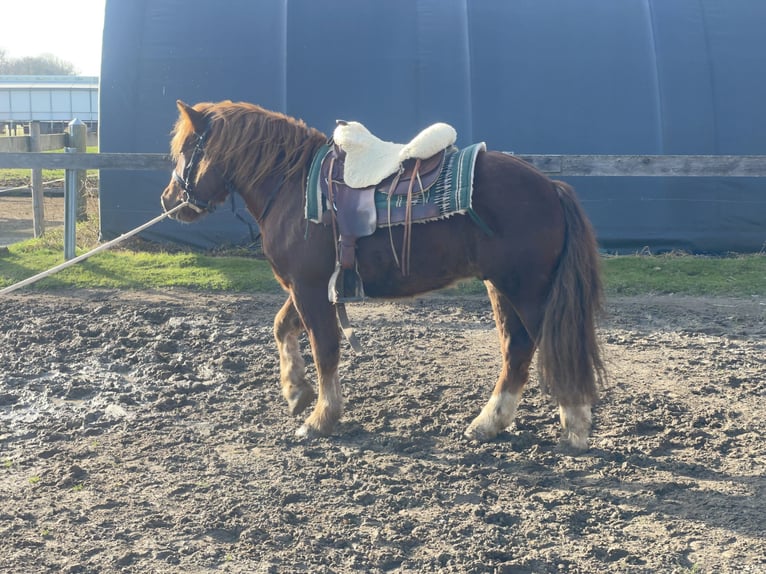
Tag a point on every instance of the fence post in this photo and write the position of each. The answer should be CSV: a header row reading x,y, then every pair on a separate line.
x,y
78,139
38,203
71,192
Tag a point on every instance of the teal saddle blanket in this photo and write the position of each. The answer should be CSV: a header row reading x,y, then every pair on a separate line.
x,y
451,194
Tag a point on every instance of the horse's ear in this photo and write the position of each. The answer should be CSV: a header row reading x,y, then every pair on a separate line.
x,y
196,118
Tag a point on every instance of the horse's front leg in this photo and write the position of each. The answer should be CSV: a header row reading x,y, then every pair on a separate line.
x,y
292,368
320,321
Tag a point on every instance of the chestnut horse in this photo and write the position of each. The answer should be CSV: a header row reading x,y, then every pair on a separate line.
x,y
540,264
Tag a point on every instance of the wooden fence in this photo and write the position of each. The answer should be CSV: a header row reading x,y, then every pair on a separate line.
x,y
76,140
553,165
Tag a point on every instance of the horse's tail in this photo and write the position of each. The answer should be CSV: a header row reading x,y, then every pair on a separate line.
x,y
569,354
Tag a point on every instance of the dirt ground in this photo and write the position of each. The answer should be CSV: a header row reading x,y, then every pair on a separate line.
x,y
145,432
16,223
16,217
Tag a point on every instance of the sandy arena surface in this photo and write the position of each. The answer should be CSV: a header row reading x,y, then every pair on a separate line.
x,y
145,432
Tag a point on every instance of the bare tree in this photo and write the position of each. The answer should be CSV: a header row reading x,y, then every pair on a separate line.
x,y
43,65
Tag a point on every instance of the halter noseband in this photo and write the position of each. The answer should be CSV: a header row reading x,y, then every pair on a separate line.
x,y
186,180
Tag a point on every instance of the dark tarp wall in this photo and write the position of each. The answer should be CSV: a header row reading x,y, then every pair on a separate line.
x,y
528,76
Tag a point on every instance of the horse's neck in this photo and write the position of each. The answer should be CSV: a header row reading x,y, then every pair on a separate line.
x,y
282,182
273,196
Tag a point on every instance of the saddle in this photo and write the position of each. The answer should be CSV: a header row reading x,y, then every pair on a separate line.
x,y
358,166
369,160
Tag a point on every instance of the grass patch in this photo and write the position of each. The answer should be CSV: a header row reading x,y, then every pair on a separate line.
x,y
741,275
736,275
673,273
138,270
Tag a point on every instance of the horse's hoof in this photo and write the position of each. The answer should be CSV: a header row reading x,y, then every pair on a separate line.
x,y
304,432
309,432
571,447
298,403
476,433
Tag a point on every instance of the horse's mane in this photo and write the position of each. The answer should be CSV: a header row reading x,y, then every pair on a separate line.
x,y
249,142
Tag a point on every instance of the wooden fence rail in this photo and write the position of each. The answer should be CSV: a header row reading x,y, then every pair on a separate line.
x,y
650,165
137,161
555,165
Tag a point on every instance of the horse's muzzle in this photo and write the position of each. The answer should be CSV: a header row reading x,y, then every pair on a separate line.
x,y
168,204
169,201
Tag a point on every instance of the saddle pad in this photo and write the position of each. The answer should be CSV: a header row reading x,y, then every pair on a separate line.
x,y
451,194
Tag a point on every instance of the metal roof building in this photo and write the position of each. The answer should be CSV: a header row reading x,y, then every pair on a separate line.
x,y
528,76
48,99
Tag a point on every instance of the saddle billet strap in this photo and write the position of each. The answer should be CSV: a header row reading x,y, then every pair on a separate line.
x,y
348,330
407,237
391,234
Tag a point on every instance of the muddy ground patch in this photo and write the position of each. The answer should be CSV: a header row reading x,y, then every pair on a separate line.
x,y
145,432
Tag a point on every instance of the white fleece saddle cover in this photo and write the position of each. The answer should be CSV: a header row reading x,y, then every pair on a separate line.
x,y
370,160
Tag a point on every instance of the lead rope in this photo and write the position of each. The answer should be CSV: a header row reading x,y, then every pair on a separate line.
x,y
92,252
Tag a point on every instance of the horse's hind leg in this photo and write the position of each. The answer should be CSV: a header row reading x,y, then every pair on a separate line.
x,y
575,423
292,367
517,347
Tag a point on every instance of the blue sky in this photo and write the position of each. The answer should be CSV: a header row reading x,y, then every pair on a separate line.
x,y
69,29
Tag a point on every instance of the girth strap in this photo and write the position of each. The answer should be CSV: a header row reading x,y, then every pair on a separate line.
x,y
345,326
407,238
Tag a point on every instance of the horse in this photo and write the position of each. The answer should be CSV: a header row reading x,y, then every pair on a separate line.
x,y
539,262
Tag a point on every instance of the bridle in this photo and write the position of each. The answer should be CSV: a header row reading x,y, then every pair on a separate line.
x,y
186,181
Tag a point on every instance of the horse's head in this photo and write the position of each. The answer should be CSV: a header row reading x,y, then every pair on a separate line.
x,y
196,178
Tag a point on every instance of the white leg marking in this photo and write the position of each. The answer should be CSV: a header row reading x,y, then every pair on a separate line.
x,y
496,416
576,422
328,408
